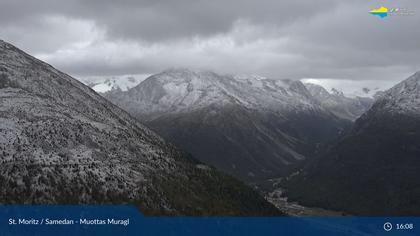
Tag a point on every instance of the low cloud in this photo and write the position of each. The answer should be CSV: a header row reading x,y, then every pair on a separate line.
x,y
278,39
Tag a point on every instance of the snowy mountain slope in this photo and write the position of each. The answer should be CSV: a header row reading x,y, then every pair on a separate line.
x,y
252,127
336,102
183,90
403,98
60,142
374,170
103,85
352,88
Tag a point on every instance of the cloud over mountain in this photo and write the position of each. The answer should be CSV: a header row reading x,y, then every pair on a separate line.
x,y
288,39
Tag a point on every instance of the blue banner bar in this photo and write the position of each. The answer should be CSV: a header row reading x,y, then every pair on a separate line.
x,y
127,220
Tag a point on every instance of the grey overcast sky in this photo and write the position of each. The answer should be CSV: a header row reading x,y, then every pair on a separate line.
x,y
335,39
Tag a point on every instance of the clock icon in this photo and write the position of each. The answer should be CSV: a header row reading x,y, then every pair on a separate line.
x,y
387,226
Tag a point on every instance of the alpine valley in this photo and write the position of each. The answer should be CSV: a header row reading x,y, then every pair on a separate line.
x,y
195,142
254,128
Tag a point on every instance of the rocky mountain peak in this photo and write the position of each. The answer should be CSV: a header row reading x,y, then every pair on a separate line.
x,y
176,90
402,98
337,92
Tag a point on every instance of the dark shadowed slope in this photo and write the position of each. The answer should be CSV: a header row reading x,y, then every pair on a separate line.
x,y
374,170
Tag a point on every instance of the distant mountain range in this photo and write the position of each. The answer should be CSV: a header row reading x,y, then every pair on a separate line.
x,y
103,85
342,106
346,107
60,142
375,168
251,127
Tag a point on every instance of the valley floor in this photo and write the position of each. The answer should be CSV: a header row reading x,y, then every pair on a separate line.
x,y
294,209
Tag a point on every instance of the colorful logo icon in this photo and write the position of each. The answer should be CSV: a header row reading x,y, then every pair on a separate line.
x,y
381,12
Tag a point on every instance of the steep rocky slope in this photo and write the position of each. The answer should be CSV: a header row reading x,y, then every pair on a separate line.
x,y
60,142
375,169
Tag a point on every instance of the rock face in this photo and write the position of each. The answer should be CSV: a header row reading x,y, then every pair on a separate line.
x,y
375,169
60,142
336,102
251,127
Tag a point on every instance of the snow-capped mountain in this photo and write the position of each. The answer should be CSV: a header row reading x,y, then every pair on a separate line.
x,y
104,85
375,168
403,98
339,104
248,126
183,90
352,88
60,142
366,92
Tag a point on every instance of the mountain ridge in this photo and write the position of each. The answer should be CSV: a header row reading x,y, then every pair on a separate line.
x,y
223,119
339,104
